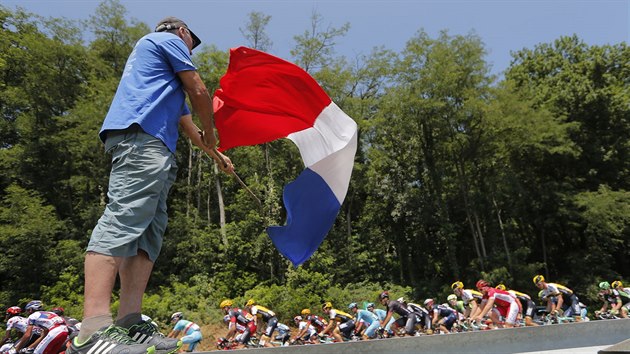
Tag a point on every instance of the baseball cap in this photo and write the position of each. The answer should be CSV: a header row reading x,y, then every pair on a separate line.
x,y
171,23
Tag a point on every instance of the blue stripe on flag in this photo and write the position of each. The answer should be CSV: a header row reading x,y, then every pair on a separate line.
x,y
311,212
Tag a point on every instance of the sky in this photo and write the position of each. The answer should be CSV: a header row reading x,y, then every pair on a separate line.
x,y
502,25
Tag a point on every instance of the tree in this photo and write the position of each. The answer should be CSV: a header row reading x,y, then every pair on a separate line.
x,y
254,31
315,47
28,229
114,37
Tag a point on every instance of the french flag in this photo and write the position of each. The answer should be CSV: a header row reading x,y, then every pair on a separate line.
x,y
263,98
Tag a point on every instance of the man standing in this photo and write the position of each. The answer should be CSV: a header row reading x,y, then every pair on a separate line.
x,y
140,132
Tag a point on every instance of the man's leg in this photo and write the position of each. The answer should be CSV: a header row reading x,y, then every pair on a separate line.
x,y
134,275
100,276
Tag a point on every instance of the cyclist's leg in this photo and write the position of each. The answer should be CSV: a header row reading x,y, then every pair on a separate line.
x,y
410,325
192,340
370,332
449,321
266,337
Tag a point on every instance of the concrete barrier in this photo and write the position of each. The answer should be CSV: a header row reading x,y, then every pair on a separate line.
x,y
513,340
623,347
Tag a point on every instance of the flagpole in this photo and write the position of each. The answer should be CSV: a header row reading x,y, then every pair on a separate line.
x,y
240,181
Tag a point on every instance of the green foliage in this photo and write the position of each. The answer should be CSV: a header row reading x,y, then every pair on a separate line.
x,y
27,229
67,292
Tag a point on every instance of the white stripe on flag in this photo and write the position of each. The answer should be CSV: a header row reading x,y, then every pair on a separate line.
x,y
336,169
332,131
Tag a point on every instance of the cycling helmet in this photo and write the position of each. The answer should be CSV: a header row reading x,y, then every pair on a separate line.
x,y
35,305
250,302
537,279
177,316
297,319
371,304
353,305
383,295
225,303
501,287
327,305
58,310
541,295
226,319
428,302
305,312
482,284
457,285
14,311
604,285
451,297
617,284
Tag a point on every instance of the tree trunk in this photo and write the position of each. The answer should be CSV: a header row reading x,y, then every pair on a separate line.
x,y
505,243
189,178
544,251
221,205
198,184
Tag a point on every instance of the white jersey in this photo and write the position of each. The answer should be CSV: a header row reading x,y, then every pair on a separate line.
x,y
311,331
17,322
45,319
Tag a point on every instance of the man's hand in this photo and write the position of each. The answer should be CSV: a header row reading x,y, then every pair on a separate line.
x,y
224,162
209,139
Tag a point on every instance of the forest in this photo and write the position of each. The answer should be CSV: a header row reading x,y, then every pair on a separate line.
x,y
460,174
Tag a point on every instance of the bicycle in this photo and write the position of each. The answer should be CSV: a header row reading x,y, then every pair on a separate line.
x,y
606,315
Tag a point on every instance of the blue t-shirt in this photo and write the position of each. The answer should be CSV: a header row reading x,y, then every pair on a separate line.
x,y
150,92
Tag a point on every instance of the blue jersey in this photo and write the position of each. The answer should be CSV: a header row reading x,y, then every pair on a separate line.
x,y
186,326
366,316
443,310
150,93
380,313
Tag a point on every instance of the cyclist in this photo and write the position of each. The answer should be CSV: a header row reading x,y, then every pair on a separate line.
x,y
266,315
442,316
457,305
507,305
624,293
340,323
223,343
611,297
54,330
18,323
367,318
423,318
562,298
618,285
407,318
381,314
471,298
74,325
284,333
314,321
191,330
527,304
237,316
306,332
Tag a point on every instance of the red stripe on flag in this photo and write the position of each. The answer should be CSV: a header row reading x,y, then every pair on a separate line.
x,y
264,98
